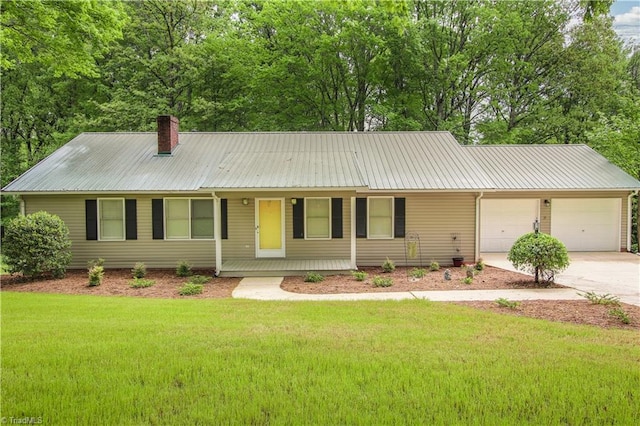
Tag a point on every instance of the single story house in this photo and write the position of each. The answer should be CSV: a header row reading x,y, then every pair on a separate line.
x,y
283,202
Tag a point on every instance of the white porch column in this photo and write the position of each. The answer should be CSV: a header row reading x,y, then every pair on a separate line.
x,y
217,232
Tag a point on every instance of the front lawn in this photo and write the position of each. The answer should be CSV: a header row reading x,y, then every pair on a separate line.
x,y
108,360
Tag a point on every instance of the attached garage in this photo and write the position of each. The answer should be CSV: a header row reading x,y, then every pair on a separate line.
x,y
587,224
502,221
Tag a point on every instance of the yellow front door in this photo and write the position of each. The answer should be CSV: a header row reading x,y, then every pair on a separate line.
x,y
269,227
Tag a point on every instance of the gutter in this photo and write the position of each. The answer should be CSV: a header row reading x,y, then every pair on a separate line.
x,y
629,216
477,251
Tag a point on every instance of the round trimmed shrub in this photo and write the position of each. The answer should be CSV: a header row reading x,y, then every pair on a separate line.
x,y
539,254
37,244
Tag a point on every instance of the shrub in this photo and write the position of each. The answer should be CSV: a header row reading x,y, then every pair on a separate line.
x,y
139,270
183,269
600,299
141,283
37,244
388,266
417,273
199,279
190,289
434,266
96,274
479,266
467,280
506,303
313,277
382,281
539,254
359,275
620,314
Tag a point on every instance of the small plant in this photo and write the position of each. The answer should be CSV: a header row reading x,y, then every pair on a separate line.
x,y
183,269
601,299
141,282
359,275
199,279
190,289
434,266
388,266
447,275
382,281
313,277
96,274
620,314
470,272
479,266
139,270
506,303
417,273
467,280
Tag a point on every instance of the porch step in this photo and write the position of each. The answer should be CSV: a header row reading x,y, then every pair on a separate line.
x,y
283,267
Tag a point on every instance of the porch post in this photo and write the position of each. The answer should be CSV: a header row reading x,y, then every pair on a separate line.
x,y
217,232
353,233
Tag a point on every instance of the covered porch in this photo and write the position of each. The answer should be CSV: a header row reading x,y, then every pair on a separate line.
x,y
283,267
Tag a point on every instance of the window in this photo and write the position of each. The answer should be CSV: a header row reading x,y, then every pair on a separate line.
x,y
380,223
318,217
111,219
189,219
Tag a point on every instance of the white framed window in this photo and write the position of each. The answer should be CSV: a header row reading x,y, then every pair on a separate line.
x,y
188,219
111,218
317,217
380,220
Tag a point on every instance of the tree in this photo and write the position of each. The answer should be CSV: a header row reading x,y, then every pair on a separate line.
x,y
539,254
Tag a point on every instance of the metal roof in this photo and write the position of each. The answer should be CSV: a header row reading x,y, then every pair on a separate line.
x,y
524,167
127,162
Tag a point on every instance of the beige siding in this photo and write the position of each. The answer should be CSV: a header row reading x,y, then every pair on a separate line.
x,y
545,212
435,217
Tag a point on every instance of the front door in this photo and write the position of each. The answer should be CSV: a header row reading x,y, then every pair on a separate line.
x,y
270,227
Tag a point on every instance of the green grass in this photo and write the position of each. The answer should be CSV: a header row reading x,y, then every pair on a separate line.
x,y
103,360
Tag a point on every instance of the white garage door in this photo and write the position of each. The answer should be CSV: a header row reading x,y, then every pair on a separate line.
x,y
587,224
503,221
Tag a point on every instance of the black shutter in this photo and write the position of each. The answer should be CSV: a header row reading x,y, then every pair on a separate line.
x,y
361,217
91,218
157,218
298,218
336,218
131,219
399,218
223,219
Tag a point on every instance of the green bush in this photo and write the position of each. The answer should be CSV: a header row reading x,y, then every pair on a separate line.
x,y
388,266
467,280
479,266
382,281
506,303
539,254
96,274
37,244
313,277
434,266
417,273
183,269
139,270
601,299
141,283
199,279
359,275
190,289
620,314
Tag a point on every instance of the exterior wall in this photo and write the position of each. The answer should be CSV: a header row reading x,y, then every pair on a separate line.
x,y
122,254
435,217
545,212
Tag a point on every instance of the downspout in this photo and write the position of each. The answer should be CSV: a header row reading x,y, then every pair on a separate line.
x,y
217,232
477,252
629,217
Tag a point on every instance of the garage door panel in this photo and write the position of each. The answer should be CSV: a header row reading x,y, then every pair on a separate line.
x,y
587,224
502,221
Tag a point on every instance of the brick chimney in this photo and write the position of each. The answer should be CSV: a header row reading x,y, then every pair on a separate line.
x,y
167,133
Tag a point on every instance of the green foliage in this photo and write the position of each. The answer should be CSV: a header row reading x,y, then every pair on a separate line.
x,y
434,266
190,289
388,266
199,279
96,274
601,299
506,303
139,270
141,282
479,266
359,275
467,280
417,273
382,281
183,269
37,244
313,277
539,254
620,314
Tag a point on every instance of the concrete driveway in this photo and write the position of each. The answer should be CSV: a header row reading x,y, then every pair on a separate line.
x,y
601,272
